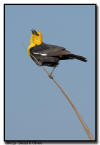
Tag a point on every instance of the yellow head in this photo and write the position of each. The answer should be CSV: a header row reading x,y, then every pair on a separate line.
x,y
36,37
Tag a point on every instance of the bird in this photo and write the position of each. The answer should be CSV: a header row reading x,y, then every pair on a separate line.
x,y
47,54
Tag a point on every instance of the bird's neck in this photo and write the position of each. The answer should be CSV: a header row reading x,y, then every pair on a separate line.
x,y
33,43
30,46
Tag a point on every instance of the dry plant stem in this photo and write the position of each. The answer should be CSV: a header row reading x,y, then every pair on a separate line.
x,y
90,136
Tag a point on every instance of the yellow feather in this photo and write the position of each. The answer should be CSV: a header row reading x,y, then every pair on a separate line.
x,y
29,47
35,40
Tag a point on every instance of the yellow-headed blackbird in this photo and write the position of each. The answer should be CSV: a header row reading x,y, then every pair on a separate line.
x,y
48,55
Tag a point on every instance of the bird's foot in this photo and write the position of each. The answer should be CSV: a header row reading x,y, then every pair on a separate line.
x,y
50,76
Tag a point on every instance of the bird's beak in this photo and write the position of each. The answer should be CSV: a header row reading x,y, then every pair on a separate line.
x,y
34,32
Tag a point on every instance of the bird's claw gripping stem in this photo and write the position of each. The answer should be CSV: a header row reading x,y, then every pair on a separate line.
x,y
50,76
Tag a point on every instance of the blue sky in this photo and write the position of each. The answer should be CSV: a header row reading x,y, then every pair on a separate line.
x,y
35,108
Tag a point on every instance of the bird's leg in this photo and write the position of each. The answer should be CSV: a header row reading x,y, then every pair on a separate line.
x,y
53,70
50,75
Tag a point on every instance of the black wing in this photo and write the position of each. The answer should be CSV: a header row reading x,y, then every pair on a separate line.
x,y
51,54
49,50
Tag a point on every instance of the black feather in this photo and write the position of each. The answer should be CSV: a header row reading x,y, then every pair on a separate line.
x,y
73,56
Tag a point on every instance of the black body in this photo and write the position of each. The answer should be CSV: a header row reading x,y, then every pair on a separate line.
x,y
49,55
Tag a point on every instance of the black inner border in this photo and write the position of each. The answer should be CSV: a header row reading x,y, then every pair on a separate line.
x,y
96,88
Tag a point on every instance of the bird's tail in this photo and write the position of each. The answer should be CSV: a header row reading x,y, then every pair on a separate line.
x,y
73,56
79,57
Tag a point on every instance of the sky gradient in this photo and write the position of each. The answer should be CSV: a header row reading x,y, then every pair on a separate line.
x,y
35,109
